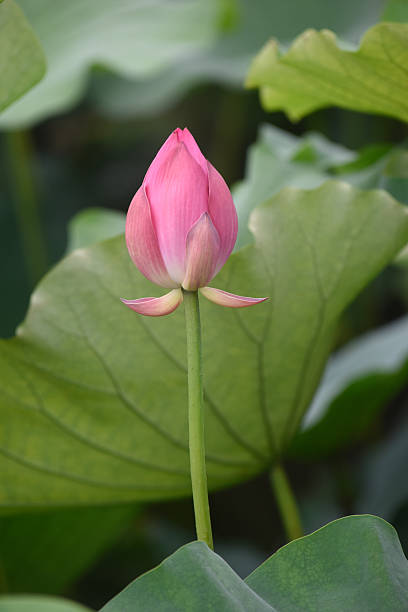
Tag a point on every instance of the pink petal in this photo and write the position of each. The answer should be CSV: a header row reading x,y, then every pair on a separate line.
x,y
142,244
178,197
171,142
203,245
193,148
223,214
176,137
156,307
223,298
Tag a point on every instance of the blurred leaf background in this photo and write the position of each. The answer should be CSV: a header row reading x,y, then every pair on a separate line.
x,y
119,77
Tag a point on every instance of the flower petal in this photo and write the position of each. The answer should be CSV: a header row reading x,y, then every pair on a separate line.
x,y
178,197
142,244
156,307
193,148
176,137
223,298
171,142
223,214
203,246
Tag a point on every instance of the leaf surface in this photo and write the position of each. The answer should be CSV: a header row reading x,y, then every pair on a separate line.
x,y
22,61
317,72
192,578
93,396
355,563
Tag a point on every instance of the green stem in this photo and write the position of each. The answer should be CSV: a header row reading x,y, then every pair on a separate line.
x,y
286,502
26,205
196,418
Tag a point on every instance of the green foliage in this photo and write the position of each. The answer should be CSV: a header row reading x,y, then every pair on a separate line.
x,y
93,225
30,603
227,60
396,10
193,578
45,552
378,167
279,159
160,51
359,381
22,62
93,400
316,72
355,564
133,38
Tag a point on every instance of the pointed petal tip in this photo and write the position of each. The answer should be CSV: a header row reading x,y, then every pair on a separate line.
x,y
230,300
156,307
190,143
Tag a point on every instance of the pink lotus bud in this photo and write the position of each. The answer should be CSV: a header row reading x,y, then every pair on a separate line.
x,y
181,226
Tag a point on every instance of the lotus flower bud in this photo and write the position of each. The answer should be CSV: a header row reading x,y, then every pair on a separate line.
x,y
181,227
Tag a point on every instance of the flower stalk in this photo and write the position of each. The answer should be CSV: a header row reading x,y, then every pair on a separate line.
x,y
286,501
181,227
196,418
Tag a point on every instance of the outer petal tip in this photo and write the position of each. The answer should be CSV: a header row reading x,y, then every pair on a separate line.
x,y
187,138
223,298
156,307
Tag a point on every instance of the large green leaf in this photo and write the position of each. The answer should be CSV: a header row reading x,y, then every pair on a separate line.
x,y
354,564
93,396
316,73
133,38
193,578
358,382
22,62
45,552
